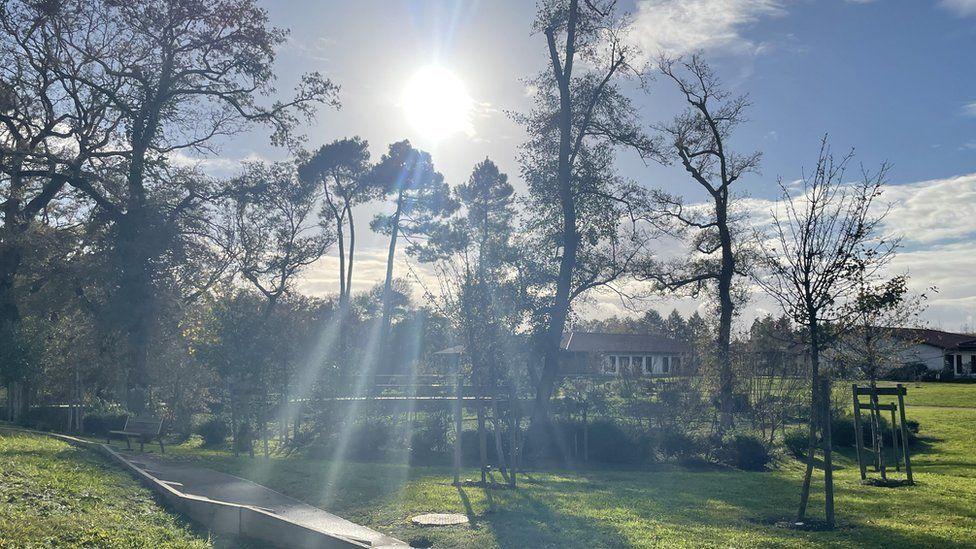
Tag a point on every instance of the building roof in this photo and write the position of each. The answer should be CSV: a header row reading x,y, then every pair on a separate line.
x,y
936,338
597,342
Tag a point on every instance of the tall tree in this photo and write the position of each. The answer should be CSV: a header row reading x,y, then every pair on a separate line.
x,y
479,289
421,200
342,168
51,130
699,139
177,74
820,245
277,236
577,202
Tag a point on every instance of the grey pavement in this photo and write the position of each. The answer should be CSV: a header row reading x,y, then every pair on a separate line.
x,y
214,485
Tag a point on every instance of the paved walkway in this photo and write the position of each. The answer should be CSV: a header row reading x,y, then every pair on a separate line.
x,y
214,485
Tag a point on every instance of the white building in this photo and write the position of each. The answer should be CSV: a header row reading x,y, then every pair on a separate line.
x,y
938,351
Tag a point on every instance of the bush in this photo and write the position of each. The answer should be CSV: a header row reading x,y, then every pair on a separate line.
x,y
744,451
428,442
370,440
47,418
842,431
610,443
214,431
99,424
796,440
679,445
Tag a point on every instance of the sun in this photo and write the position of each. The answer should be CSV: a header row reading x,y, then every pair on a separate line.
x,y
437,104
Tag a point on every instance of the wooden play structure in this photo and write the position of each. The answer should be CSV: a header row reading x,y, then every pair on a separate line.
x,y
899,432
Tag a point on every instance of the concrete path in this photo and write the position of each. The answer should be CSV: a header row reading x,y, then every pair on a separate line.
x,y
214,485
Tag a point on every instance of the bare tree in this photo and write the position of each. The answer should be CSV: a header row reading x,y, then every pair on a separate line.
x,y
872,346
699,139
580,117
819,246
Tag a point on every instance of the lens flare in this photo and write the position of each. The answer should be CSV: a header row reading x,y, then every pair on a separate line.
x,y
436,103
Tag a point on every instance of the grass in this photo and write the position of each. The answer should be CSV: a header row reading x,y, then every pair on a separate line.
x,y
55,495
668,508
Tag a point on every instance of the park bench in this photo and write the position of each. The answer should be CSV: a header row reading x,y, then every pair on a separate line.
x,y
144,429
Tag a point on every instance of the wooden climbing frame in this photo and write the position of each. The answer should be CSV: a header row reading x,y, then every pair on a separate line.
x,y
897,426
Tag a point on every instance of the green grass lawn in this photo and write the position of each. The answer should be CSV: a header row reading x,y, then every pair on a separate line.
x,y
666,508
53,494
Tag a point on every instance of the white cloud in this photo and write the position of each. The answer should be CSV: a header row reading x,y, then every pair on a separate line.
x,y
213,166
969,109
962,8
938,249
938,246
682,26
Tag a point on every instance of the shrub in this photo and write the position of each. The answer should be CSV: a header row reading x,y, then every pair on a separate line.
x,y
744,451
679,445
99,424
214,431
796,440
610,443
370,440
428,442
842,431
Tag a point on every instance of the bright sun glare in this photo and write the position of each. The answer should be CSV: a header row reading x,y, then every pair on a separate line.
x,y
436,103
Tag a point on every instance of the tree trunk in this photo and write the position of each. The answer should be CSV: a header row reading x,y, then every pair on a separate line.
x,y
725,319
814,414
352,250
567,262
11,256
388,282
827,451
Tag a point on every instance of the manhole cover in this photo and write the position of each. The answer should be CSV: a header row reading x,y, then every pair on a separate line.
x,y
439,519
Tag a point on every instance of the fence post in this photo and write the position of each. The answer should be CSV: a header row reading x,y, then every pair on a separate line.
x,y
457,420
859,434
904,434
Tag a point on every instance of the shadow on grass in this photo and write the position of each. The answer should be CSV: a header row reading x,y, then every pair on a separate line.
x,y
620,508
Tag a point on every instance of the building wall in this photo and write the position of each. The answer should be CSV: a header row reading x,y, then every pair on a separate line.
x,y
593,363
935,359
930,356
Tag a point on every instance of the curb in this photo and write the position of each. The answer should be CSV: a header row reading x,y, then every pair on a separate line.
x,y
220,517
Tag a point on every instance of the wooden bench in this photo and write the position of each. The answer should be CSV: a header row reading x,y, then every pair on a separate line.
x,y
144,429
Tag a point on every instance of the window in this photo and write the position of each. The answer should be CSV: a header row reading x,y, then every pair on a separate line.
x,y
648,365
675,363
665,364
637,363
972,364
959,365
610,364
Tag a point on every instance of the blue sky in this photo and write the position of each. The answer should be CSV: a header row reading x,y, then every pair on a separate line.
x,y
895,79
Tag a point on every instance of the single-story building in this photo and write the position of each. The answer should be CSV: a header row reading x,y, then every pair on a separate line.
x,y
939,351
596,353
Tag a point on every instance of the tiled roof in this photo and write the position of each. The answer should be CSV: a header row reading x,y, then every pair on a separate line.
x,y
936,338
596,342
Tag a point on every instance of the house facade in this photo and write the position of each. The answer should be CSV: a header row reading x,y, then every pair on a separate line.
x,y
635,355
952,354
